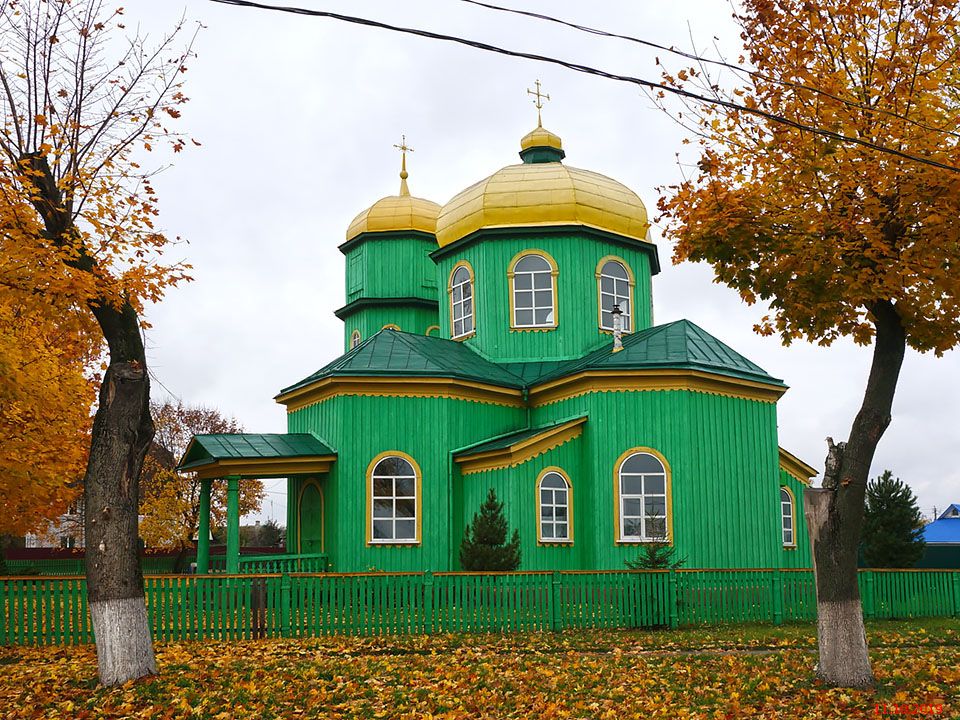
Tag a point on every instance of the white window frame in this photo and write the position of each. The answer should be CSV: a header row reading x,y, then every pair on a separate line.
x,y
787,511
355,339
624,301
551,287
553,504
393,498
642,497
457,313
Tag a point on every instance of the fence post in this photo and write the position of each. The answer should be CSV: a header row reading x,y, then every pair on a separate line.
x,y
428,602
556,612
869,599
285,602
777,589
672,598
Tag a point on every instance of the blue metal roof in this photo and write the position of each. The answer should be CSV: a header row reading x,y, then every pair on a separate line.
x,y
946,528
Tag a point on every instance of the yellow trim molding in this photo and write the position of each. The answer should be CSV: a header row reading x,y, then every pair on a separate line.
x,y
617,540
323,512
566,478
264,467
554,272
630,279
793,518
521,451
639,380
796,468
390,326
369,493
400,387
431,329
473,297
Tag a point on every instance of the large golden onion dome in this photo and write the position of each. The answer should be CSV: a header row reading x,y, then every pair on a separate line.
x,y
542,192
397,212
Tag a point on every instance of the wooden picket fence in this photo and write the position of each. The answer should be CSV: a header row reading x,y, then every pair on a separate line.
x,y
53,610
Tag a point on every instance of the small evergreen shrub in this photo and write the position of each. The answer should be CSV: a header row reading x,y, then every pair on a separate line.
x,y
485,545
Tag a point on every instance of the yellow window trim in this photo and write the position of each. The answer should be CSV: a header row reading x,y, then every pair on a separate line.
x,y
369,492
630,279
617,540
390,326
566,478
796,468
431,329
451,388
641,380
264,467
511,291
522,451
473,295
323,510
793,518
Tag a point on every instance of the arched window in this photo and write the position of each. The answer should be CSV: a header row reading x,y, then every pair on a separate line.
x,y
393,485
461,302
554,508
390,326
613,287
786,518
534,292
354,339
642,502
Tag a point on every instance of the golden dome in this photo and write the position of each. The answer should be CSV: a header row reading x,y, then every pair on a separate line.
x,y
397,212
543,194
540,137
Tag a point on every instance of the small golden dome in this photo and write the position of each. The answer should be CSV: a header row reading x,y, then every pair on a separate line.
x,y
396,212
540,137
541,195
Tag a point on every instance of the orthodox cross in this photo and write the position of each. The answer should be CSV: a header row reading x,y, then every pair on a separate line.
x,y
538,103
403,148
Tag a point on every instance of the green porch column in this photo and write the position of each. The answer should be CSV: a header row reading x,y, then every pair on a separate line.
x,y
233,525
203,530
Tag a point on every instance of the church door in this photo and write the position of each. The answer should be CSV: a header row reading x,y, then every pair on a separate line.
x,y
311,519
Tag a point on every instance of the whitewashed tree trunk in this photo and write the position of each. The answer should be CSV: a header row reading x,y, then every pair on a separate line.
x,y
124,645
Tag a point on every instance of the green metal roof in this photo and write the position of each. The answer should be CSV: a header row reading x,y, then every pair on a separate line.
x,y
680,344
394,353
204,449
502,442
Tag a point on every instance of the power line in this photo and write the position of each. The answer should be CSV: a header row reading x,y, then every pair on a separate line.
x,y
588,70
701,59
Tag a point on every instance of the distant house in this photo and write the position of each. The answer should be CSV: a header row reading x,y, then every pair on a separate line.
x,y
943,540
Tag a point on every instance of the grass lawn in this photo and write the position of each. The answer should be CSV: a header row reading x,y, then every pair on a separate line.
x,y
723,672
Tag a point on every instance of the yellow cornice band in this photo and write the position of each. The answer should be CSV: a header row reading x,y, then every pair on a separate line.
x,y
523,450
264,467
796,468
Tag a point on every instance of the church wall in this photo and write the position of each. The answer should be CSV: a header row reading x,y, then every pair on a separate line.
x,y
371,320
516,488
723,460
427,429
577,331
391,264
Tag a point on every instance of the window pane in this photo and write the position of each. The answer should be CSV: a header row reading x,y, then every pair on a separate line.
x,y
631,527
457,294
615,269
406,530
788,523
544,317
606,320
468,290
467,307
406,508
529,263
546,531
468,324
654,484
607,285
553,480
641,463
523,282
657,528
524,317
542,281
632,507
458,327
784,496
561,531
788,537
382,530
383,508
406,487
546,512
523,299
544,298
393,466
560,497
655,506
623,288
560,512
461,275
382,487
631,485
546,497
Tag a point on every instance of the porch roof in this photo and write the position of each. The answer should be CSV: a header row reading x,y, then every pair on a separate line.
x,y
256,455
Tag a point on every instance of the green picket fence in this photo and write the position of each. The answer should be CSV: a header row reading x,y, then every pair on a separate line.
x,y
53,610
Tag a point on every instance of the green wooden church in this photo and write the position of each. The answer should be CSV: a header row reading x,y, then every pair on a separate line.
x,y
506,340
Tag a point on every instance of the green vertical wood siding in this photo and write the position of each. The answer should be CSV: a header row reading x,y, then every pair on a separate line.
x,y
799,556
391,264
577,330
426,429
369,321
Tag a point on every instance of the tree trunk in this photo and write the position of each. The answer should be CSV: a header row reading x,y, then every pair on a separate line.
x,y
834,514
121,435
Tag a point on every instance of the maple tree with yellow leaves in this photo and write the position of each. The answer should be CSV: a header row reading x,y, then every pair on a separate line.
x,y
840,209
81,103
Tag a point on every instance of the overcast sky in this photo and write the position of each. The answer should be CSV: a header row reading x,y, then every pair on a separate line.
x,y
298,117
